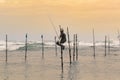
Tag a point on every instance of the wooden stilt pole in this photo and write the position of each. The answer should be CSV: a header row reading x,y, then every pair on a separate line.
x,y
42,46
26,47
94,43
69,45
55,46
6,49
105,45
108,45
74,47
62,59
118,36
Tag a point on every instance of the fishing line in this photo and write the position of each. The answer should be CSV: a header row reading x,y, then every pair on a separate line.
x,y
53,26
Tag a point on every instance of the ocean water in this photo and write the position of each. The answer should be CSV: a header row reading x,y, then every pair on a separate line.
x,y
36,45
49,68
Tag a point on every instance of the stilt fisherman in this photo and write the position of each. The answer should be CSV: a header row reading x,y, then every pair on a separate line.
x,y
62,38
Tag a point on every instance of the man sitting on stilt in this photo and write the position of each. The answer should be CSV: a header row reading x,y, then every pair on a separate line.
x,y
62,39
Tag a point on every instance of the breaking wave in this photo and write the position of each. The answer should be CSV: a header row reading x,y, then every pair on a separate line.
x,y
36,45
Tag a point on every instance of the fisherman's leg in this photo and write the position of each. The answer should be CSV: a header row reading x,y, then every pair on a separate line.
x,y
63,47
62,42
58,43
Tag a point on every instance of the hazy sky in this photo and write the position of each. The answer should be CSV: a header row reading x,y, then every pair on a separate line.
x,y
18,17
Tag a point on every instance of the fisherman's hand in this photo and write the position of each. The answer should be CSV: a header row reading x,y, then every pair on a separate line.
x,y
59,37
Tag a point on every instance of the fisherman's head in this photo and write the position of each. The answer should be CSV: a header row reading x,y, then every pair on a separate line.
x,y
61,30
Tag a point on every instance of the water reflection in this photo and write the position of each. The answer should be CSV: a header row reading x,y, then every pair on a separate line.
x,y
26,68
6,74
62,75
73,71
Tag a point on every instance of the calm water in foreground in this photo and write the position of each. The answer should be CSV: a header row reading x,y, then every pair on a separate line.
x,y
49,68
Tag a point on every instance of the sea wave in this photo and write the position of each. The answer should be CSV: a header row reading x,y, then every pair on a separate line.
x,y
36,45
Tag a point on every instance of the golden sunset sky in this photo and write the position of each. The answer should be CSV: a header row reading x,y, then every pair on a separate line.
x,y
18,17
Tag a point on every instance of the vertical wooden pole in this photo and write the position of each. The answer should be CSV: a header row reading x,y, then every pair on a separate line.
x,y
93,43
119,37
26,47
105,45
74,47
6,49
55,46
108,45
69,45
42,46
62,59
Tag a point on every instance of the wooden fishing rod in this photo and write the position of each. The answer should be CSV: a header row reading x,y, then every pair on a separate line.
x,y
54,27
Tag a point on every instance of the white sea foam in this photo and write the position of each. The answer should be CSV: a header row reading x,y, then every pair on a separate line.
x,y
14,45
